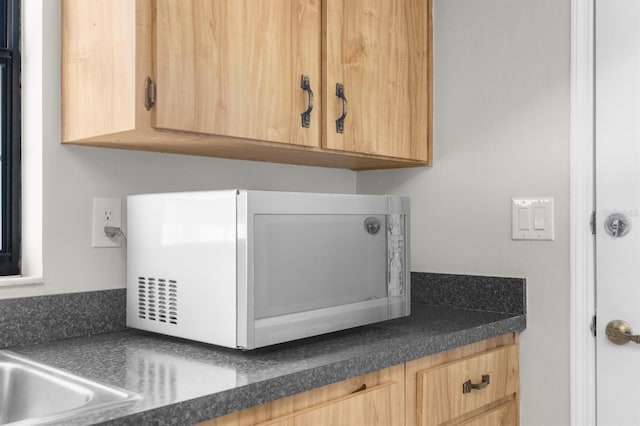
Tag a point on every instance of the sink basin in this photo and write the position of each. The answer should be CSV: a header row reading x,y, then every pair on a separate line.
x,y
32,393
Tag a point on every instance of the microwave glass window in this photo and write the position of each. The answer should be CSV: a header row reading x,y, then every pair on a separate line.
x,y
355,250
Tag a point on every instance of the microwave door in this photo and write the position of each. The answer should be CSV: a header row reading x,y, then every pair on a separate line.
x,y
311,271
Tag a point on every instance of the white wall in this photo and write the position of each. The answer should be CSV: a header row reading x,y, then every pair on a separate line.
x,y
501,131
73,175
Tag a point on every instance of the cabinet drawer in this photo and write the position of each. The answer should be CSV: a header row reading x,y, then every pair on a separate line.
x,y
503,415
441,394
369,407
374,399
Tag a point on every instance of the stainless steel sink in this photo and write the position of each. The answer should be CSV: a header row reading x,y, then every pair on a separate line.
x,y
32,393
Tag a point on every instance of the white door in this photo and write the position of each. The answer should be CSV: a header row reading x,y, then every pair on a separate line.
x,y
618,192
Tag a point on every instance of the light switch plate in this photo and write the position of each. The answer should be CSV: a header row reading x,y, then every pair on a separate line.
x,y
532,219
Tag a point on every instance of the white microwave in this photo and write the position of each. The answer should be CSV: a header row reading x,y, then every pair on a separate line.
x,y
247,269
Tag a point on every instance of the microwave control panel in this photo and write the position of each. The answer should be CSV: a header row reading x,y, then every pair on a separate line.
x,y
396,254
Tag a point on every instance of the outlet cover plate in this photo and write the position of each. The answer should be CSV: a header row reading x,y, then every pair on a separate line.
x,y
106,212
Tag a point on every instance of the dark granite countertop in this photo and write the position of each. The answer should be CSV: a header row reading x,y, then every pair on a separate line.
x,y
184,382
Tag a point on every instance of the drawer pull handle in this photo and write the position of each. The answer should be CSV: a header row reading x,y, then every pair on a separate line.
x,y
360,389
467,386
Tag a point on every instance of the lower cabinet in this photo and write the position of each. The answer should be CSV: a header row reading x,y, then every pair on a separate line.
x,y
477,385
474,385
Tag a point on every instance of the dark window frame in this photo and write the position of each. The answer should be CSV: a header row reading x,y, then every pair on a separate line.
x,y
10,116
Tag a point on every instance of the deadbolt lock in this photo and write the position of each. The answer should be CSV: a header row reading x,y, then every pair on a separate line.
x,y
617,225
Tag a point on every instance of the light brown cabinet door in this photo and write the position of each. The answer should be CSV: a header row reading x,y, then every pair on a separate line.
x,y
379,51
233,68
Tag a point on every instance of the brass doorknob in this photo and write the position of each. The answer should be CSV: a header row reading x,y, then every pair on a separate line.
x,y
620,333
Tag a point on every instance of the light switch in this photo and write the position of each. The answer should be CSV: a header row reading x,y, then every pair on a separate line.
x,y
523,219
538,218
532,218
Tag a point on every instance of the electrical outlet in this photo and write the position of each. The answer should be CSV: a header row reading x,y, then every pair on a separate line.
x,y
106,212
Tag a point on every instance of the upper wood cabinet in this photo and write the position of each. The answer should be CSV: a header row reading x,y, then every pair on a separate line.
x,y
234,67
378,50
223,78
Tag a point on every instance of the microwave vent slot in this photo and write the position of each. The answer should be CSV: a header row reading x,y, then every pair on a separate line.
x,y
158,300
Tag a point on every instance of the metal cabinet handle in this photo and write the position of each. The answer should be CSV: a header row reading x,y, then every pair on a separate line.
x,y
345,107
361,388
467,386
149,93
305,84
620,333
